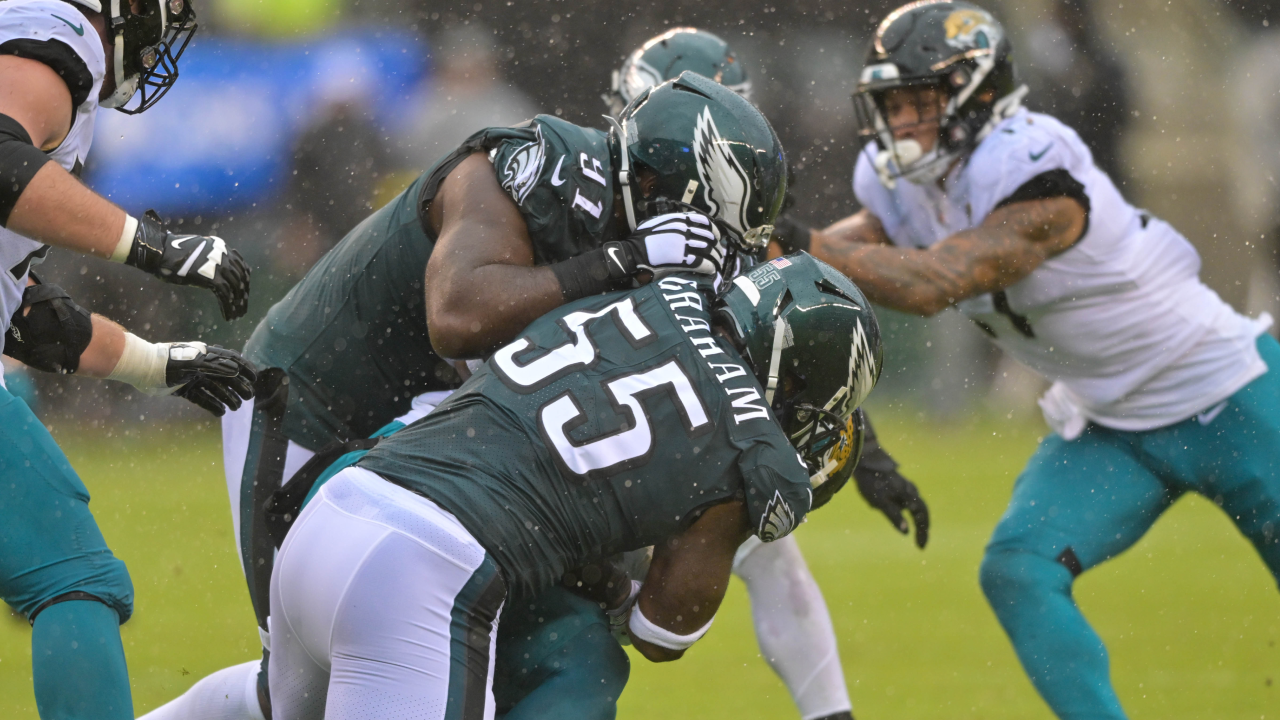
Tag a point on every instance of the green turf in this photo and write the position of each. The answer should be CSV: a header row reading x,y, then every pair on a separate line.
x,y
1190,615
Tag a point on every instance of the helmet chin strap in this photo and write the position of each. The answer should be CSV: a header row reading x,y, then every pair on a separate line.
x,y
624,173
125,86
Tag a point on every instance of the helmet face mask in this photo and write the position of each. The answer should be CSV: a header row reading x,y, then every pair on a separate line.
x,y
146,49
709,150
956,50
814,344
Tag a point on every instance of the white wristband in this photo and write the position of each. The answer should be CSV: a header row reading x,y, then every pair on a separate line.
x,y
125,244
142,364
643,629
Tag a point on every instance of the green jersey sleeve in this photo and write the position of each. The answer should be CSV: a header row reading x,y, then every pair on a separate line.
x,y
560,176
776,485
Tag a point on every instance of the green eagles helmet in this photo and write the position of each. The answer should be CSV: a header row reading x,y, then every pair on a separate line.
x,y
814,343
146,47
712,151
954,46
666,56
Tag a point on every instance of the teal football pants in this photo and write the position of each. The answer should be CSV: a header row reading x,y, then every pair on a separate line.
x,y
1080,503
556,659
54,563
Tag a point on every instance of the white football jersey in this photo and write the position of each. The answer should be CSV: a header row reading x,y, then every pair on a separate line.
x,y
43,30
1120,322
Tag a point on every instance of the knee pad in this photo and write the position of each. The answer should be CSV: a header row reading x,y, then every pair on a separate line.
x,y
1007,575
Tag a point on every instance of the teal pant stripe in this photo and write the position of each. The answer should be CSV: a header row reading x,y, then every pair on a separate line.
x,y
473,623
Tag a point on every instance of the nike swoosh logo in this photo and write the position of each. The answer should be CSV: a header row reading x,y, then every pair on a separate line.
x,y
177,242
78,28
1208,416
556,180
1037,156
613,255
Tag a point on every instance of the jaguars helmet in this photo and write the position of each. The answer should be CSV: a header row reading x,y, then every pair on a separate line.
x,y
666,56
711,151
956,47
146,47
813,342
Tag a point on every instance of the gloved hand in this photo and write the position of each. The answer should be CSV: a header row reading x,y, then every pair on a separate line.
x,y
886,490
620,616
212,377
49,331
200,260
666,244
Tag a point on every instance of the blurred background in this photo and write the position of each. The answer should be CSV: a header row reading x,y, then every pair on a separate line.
x,y
295,118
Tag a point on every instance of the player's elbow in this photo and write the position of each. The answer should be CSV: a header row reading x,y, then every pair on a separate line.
x,y
656,653
454,330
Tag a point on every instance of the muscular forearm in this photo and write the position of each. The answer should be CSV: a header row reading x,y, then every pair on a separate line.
x,y
911,281
479,310
105,348
57,209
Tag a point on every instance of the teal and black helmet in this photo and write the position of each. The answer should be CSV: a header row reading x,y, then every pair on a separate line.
x,y
664,57
708,150
814,343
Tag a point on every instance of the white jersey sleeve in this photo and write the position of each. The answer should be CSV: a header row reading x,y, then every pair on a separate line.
x,y
1019,151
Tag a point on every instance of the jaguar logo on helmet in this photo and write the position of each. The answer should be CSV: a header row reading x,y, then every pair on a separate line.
x,y
971,29
726,187
778,520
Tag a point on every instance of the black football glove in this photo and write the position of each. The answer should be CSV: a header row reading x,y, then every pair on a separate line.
x,y
49,331
886,490
666,244
212,377
200,260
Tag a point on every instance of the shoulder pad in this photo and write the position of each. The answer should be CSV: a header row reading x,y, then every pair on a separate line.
x,y
776,484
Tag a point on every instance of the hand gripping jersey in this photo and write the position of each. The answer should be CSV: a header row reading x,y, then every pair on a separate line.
x,y
58,35
605,427
352,335
1120,322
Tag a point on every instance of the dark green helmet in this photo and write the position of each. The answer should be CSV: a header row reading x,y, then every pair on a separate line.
x,y
710,150
956,47
666,56
814,343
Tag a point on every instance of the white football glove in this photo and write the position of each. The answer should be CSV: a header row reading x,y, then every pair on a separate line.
x,y
677,242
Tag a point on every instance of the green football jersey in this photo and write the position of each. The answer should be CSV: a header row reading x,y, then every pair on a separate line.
x,y
606,426
352,334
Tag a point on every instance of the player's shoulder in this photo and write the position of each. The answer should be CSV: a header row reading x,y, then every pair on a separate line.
x,y
1028,140
57,34
867,188
532,155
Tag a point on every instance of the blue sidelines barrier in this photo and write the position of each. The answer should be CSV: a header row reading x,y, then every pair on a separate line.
x,y
221,139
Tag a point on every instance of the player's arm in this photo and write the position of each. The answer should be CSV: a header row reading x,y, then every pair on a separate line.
x,y
49,332
1013,241
686,583
42,201
481,286
860,228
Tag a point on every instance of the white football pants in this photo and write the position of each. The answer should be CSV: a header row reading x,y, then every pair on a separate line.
x,y
382,605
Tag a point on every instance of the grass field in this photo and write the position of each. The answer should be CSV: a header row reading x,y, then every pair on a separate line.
x,y
1190,615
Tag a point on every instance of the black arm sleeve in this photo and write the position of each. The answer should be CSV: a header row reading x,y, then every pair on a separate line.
x,y
19,162
1051,184
874,457
59,56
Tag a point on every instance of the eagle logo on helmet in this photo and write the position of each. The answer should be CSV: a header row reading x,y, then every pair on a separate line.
x,y
726,187
971,29
778,520
861,366
638,76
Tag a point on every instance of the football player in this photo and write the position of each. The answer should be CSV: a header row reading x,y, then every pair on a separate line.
x,y
792,623
658,416
60,61
1159,387
515,223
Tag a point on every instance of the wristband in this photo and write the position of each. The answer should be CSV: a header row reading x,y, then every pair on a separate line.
x,y
125,244
588,274
142,364
643,629
791,234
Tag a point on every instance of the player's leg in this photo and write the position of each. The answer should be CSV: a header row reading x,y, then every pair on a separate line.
x,y
55,568
556,659
381,603
793,626
1075,505
228,694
